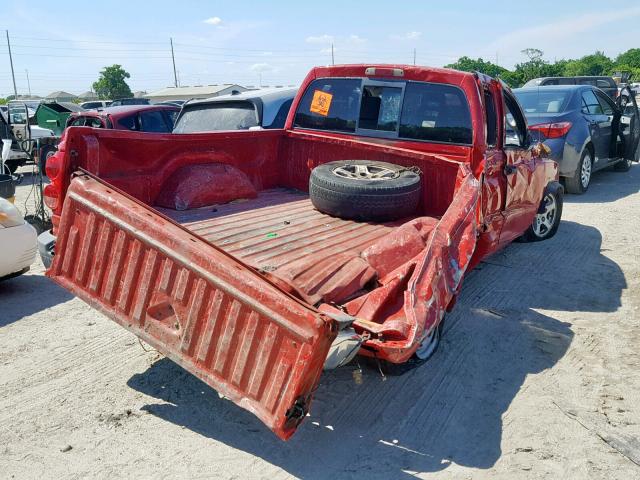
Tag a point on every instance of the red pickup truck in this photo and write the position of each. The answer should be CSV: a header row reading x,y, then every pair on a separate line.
x,y
256,258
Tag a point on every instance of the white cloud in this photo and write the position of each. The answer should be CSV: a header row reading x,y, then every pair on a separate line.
x,y
319,39
413,35
213,21
549,36
262,67
355,39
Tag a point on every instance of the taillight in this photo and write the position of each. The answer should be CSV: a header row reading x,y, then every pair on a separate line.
x,y
51,195
53,165
552,130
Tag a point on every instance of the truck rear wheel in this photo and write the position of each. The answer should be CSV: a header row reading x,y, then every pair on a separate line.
x,y
365,190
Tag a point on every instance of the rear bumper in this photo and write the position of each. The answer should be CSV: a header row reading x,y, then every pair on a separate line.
x,y
566,154
18,250
46,243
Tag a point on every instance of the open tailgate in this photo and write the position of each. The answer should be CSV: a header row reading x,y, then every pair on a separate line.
x,y
205,310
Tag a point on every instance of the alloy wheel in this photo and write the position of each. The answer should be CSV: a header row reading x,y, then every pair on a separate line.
x,y
543,223
585,171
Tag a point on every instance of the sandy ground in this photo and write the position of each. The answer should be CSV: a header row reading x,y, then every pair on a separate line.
x,y
537,377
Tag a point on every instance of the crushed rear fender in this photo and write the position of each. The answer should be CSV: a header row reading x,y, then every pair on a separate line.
x,y
217,318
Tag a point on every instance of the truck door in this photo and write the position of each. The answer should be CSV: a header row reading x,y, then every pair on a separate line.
x,y
525,181
629,126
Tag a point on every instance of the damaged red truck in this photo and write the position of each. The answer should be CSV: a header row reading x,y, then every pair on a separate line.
x,y
208,246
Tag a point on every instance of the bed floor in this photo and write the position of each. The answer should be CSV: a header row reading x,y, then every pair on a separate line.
x,y
278,228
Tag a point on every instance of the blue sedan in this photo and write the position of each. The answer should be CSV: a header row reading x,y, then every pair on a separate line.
x,y
585,130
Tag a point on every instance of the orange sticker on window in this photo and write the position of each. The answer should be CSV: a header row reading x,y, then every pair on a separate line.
x,y
321,102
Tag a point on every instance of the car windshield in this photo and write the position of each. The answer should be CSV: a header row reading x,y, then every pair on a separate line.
x,y
542,100
217,116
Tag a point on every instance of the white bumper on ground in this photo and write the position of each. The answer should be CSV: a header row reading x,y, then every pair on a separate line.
x,y
17,249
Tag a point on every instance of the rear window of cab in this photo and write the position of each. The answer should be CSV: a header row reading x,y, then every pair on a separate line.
x,y
430,112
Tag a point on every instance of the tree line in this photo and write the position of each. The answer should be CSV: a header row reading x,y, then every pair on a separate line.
x,y
536,66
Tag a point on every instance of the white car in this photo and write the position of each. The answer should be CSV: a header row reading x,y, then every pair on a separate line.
x,y
18,242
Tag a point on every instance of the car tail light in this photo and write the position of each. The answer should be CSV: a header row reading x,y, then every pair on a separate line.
x,y
384,72
51,195
552,130
53,165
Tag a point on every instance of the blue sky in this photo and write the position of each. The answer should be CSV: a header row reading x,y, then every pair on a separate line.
x,y
64,44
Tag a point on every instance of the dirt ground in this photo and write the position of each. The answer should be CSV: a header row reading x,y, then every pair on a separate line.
x,y
538,376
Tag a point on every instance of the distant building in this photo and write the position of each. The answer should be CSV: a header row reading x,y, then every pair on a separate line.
x,y
139,94
60,96
88,95
198,91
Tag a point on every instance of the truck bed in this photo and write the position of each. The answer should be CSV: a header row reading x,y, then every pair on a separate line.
x,y
281,234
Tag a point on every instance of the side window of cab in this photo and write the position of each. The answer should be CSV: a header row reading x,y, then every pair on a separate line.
x,y
515,126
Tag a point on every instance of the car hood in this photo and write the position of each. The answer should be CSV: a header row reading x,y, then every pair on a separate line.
x,y
39,132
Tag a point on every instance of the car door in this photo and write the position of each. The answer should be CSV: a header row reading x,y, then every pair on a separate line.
x,y
18,115
599,126
525,182
613,119
629,126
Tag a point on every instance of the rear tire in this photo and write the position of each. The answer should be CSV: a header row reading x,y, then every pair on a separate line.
x,y
579,183
425,351
545,224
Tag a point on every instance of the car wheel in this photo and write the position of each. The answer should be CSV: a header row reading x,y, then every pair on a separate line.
x,y
581,179
46,153
547,220
365,190
424,352
623,165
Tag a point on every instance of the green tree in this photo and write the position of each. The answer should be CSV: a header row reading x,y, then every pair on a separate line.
x,y
111,84
467,64
535,67
629,61
630,58
594,64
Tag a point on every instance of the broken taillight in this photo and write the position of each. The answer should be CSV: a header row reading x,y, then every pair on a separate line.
x,y
51,193
552,130
50,196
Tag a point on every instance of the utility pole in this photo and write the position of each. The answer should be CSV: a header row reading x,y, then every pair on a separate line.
x,y
332,58
173,59
497,58
414,56
28,82
13,75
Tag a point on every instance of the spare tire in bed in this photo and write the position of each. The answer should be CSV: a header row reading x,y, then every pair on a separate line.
x,y
365,190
